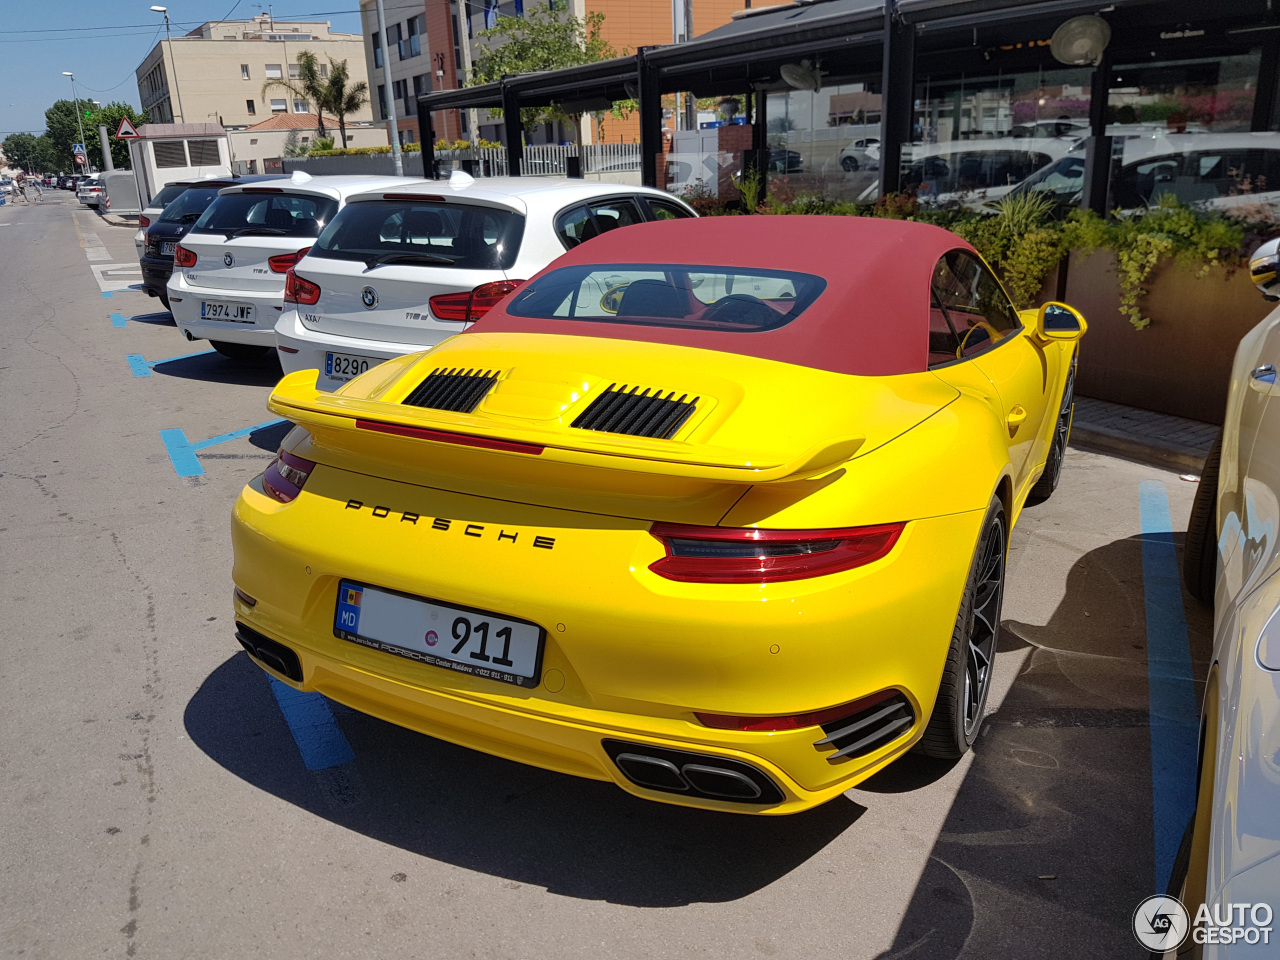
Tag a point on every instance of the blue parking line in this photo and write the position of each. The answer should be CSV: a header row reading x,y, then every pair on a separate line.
x,y
1173,716
182,452
142,367
118,320
106,295
314,730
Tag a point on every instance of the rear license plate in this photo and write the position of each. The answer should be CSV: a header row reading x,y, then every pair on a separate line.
x,y
234,312
457,638
166,248
344,366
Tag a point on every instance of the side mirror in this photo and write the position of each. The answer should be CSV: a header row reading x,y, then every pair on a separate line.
x,y
1057,321
1264,269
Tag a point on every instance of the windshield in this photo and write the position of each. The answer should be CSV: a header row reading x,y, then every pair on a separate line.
x,y
275,214
167,196
1062,180
668,295
188,207
429,233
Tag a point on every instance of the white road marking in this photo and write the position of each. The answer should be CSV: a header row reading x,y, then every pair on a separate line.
x,y
115,276
97,253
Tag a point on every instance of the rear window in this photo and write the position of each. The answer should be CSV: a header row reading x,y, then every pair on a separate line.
x,y
272,214
732,299
188,207
166,196
462,235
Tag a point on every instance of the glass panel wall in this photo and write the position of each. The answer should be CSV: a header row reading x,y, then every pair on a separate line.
x,y
975,138
825,142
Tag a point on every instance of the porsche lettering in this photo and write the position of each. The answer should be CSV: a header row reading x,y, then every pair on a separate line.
x,y
478,530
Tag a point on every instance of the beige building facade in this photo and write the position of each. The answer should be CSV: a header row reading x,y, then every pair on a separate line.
x,y
216,72
262,147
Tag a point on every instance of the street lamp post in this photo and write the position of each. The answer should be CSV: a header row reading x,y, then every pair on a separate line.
x,y
79,125
176,92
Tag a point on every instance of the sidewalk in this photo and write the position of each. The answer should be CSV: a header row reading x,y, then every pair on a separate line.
x,y
1155,438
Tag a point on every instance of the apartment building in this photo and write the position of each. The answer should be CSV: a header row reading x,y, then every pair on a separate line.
x,y
216,72
424,48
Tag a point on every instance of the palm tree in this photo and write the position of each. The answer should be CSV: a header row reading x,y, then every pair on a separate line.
x,y
309,85
342,98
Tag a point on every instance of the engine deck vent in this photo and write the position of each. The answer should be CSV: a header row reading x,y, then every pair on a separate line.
x,y
454,389
874,726
637,413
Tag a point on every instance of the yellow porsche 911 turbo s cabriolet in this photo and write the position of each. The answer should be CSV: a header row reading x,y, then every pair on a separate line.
x,y
715,509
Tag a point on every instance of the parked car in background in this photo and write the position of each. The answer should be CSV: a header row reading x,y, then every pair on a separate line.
x,y
155,206
400,270
229,270
6,185
1231,851
89,192
861,154
178,217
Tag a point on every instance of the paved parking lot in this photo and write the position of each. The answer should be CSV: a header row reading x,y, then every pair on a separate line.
x,y
162,799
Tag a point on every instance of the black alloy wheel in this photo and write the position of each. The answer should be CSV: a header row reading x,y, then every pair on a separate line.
x,y
1048,481
966,676
849,163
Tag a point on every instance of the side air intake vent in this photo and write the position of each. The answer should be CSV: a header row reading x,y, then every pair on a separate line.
x,y
637,413
455,389
869,728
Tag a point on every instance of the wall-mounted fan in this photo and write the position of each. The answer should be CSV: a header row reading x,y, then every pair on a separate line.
x,y
802,75
1081,40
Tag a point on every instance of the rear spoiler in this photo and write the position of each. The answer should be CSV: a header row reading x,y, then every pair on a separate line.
x,y
339,422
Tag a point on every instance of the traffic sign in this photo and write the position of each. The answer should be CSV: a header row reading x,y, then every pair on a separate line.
x,y
127,131
80,158
78,149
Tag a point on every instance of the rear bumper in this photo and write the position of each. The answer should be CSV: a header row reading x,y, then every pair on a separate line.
x,y
301,348
185,299
155,275
628,655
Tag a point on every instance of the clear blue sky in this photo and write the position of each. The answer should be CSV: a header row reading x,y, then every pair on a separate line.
x,y
103,41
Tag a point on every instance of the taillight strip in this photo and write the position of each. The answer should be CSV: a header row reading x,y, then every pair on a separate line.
x,y
444,436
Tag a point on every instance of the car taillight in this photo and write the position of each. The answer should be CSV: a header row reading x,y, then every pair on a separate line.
x,y
182,257
282,263
286,476
144,222
469,306
796,721
748,555
298,290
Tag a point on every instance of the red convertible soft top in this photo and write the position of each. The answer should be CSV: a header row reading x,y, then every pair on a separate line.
x,y
872,319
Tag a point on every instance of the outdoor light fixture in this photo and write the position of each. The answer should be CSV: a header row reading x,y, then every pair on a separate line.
x,y
177,93
1080,41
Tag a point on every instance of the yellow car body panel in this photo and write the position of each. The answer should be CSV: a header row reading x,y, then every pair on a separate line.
x,y
629,654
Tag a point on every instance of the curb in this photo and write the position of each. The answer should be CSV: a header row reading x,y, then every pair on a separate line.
x,y
117,220
1165,453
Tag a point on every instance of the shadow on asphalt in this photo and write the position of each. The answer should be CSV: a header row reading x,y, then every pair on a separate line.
x,y
577,838
269,438
1048,845
215,368
162,319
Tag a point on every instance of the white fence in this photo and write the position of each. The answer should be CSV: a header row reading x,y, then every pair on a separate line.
x,y
602,159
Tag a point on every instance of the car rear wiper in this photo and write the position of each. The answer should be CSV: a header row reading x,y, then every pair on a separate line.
x,y
405,258
191,217
260,231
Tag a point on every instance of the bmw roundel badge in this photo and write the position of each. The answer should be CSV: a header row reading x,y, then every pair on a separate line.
x,y
228,259
369,297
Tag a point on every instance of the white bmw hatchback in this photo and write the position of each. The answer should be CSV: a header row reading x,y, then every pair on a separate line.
x,y
402,268
228,278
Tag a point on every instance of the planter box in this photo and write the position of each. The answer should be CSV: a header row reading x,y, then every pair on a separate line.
x,y
1181,363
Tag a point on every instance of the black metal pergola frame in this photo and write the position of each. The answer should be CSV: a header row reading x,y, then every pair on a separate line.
x,y
879,39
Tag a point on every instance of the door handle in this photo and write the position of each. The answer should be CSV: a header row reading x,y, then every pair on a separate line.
x,y
1265,373
1016,415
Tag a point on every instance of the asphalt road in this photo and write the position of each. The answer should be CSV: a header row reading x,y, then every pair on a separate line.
x,y
153,803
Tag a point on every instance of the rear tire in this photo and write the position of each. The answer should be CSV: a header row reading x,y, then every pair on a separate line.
x,y
1200,549
1048,481
164,298
849,164
240,352
957,714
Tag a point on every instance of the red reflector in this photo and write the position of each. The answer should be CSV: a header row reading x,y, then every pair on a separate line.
x,y
144,222
798,721
298,290
451,306
443,436
427,198
748,555
286,476
282,262
488,295
262,190
285,349
182,257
